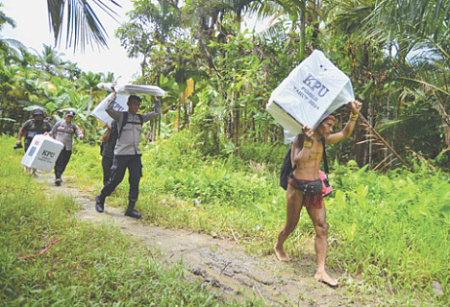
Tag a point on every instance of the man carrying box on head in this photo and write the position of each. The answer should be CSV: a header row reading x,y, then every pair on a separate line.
x,y
126,151
63,131
305,188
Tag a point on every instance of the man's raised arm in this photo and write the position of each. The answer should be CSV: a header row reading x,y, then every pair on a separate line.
x,y
355,107
110,106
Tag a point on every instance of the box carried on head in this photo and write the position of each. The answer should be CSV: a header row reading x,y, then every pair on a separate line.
x,y
312,91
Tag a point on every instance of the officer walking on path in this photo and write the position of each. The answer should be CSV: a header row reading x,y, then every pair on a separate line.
x,y
36,125
126,152
63,131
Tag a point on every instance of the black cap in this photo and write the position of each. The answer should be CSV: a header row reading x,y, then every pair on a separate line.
x,y
70,113
38,112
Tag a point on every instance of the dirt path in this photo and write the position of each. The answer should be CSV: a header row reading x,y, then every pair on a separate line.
x,y
220,264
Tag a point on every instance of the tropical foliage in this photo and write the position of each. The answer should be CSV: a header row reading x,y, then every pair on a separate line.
x,y
220,72
218,150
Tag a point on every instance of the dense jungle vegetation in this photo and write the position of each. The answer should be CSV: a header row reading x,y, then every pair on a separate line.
x,y
220,75
215,151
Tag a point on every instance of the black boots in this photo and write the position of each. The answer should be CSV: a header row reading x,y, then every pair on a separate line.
x,y
100,203
131,212
58,181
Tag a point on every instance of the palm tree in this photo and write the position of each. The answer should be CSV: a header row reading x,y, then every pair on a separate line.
x,y
5,19
423,29
300,13
83,24
25,59
10,91
50,61
88,83
8,47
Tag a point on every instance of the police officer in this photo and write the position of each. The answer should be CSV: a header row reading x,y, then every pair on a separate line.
x,y
126,152
108,144
63,131
34,126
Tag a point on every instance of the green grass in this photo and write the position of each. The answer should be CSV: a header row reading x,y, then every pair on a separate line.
x,y
83,265
390,229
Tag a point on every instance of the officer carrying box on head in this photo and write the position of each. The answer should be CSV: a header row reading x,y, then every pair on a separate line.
x,y
126,151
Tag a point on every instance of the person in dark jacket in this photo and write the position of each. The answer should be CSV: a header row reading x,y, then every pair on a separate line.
x,y
126,151
34,126
108,143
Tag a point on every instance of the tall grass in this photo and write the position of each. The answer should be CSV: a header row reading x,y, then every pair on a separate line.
x,y
391,229
73,263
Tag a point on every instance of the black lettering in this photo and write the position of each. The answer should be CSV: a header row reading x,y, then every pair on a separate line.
x,y
48,153
311,95
314,85
323,91
317,85
308,80
118,107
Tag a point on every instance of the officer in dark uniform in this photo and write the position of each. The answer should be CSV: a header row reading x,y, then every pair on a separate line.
x,y
108,144
126,152
34,126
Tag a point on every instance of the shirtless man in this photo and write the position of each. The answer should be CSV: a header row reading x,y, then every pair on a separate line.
x,y
307,150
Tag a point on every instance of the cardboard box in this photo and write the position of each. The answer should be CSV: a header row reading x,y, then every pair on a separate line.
x,y
312,91
123,92
42,153
119,105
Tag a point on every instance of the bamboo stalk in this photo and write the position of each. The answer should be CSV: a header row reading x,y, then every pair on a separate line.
x,y
385,159
384,142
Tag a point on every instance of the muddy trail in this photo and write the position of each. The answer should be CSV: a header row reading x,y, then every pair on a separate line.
x,y
221,264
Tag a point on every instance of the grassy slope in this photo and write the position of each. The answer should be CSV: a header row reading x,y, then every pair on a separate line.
x,y
84,265
393,229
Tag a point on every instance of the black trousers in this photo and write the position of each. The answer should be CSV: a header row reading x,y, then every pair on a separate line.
x,y
107,163
120,165
62,162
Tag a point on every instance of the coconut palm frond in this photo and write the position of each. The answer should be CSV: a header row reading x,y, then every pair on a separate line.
x,y
83,25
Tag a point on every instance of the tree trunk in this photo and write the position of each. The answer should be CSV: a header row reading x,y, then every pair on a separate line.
x,y
370,141
179,113
302,29
445,123
236,133
88,112
266,130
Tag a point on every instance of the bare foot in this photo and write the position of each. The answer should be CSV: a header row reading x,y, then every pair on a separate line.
x,y
326,279
281,254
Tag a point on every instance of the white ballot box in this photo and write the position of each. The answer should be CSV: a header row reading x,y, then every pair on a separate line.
x,y
42,153
123,92
119,105
133,89
312,91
